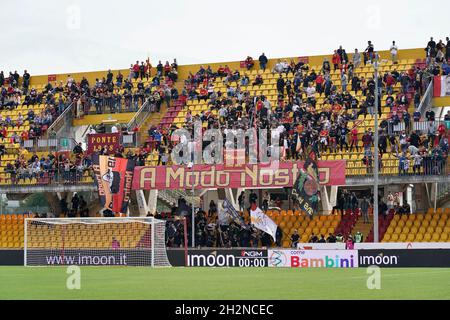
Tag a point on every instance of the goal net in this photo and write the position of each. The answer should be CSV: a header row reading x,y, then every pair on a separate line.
x,y
116,241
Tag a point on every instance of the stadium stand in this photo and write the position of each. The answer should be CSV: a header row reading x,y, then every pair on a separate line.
x,y
325,103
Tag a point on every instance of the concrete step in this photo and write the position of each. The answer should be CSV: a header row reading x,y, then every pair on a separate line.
x,y
153,120
362,227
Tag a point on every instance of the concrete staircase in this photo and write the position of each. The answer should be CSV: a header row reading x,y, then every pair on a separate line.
x,y
153,120
362,227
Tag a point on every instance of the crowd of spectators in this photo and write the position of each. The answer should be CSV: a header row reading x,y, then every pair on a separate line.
x,y
128,94
328,128
63,167
15,91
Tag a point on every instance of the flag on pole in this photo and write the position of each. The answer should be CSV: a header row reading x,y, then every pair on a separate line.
x,y
299,144
231,212
306,187
113,179
441,86
262,222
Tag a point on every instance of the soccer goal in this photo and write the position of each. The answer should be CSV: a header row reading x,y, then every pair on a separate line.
x,y
129,241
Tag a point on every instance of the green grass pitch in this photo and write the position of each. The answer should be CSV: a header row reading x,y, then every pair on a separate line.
x,y
222,283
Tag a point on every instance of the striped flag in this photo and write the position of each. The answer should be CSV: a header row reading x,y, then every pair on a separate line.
x,y
441,86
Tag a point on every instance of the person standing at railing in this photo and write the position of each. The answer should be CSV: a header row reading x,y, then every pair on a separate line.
x,y
417,162
431,132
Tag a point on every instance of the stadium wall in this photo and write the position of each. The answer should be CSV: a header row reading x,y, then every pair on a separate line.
x,y
98,118
183,70
290,258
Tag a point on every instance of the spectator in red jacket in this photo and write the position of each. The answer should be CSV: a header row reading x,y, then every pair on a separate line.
x,y
249,63
390,82
354,139
336,60
136,70
319,83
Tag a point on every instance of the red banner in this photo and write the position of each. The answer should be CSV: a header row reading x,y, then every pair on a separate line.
x,y
109,141
303,59
332,173
113,178
51,77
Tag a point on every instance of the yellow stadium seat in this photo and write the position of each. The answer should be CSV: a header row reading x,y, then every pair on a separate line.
x,y
435,237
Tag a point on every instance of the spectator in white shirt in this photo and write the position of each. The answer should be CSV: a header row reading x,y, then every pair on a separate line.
x,y
394,52
278,67
310,91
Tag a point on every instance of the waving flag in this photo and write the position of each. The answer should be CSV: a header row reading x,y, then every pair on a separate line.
x,y
441,86
230,212
262,222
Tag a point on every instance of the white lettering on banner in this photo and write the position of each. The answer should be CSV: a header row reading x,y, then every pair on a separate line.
x,y
313,258
211,260
379,260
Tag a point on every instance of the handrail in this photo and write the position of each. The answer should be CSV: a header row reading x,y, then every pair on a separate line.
x,y
137,120
427,98
56,123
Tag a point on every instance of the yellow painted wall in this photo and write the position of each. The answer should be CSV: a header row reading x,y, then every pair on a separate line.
x,y
184,70
98,118
441,102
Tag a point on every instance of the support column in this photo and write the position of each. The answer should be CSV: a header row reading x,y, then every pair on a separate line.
x,y
435,195
333,196
429,194
152,201
141,203
326,206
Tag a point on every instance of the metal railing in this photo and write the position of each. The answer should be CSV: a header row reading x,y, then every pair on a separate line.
x,y
429,166
49,144
94,105
140,116
48,177
427,98
422,126
64,119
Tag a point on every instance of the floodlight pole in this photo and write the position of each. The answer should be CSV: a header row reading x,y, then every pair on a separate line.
x,y
193,212
375,154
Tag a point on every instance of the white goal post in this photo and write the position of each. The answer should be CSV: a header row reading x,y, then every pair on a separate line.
x,y
127,241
